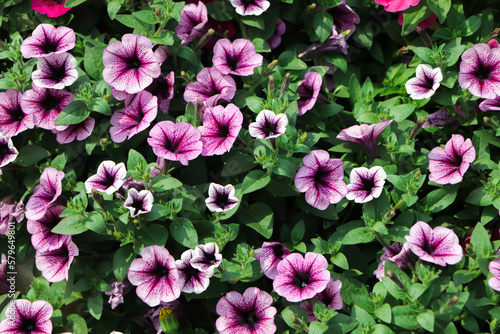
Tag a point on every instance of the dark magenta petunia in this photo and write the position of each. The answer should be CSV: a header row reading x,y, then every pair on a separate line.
x,y
442,118
138,202
448,165
426,83
238,58
366,184
13,119
480,71
275,40
42,237
221,198
221,126
397,5
193,19
211,86
308,91
250,7
330,296
191,279
398,253
45,193
175,141
344,17
54,264
8,152
134,118
300,278
206,257
130,64
79,132
250,313
51,8
46,40
268,125
163,89
25,317
321,178
336,42
155,275
270,255
494,268
109,178
55,71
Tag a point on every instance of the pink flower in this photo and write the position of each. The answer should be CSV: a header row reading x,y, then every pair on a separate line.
x,y
192,22
221,198
54,264
52,8
109,178
8,152
308,91
138,202
397,5
238,58
163,89
448,165
211,87
55,71
192,279
366,184
42,238
425,84
10,212
489,104
494,268
13,119
275,40
268,125
26,317
330,296
220,129
398,253
270,255
79,132
206,257
44,194
47,39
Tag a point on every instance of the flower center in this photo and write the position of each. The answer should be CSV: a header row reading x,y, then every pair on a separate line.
x,y
4,149
429,83
28,325
134,63
49,46
58,73
232,62
368,184
278,251
249,318
269,129
320,177
223,130
247,3
160,271
171,145
483,72
51,103
301,280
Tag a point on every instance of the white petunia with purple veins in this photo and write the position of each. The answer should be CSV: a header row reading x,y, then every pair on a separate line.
x,y
426,83
237,58
46,40
221,198
192,280
268,125
55,71
366,184
138,202
109,178
206,257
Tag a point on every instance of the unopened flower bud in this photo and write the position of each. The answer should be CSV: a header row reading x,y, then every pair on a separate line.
x,y
158,12
199,109
98,198
184,76
491,122
416,128
392,275
168,320
390,214
104,141
285,84
271,66
402,51
495,33
346,32
311,7
453,300
425,37
204,39
270,84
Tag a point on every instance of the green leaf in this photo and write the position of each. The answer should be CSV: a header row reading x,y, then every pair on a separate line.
x,y
364,318
406,317
254,103
30,155
260,45
155,234
78,324
413,16
426,54
480,197
146,16
426,320
340,260
488,136
317,327
297,232
100,105
135,161
165,38
381,329
438,200
73,3
289,61
360,235
188,54
470,26
401,112
284,167
337,60
95,222
255,180
292,312
384,313
355,91
322,25
183,232
71,225
92,61
164,183
440,8
74,113
114,7
258,216
122,260
94,304
480,241
254,21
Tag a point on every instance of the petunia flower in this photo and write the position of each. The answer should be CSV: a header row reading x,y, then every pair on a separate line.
x,y
45,193
116,295
42,237
46,40
206,257
344,18
270,255
398,253
175,141
300,278
250,313
330,297
13,120
250,7
397,5
439,245
238,58
51,8
191,279
321,178
366,135
155,275
134,118
10,212
54,264
163,89
442,118
211,86
79,132
308,91
488,104
130,64
426,83
448,165
138,202
8,152
109,178
221,198
366,184
55,71
268,125
221,126
275,40
480,71
494,268
193,19
27,318
336,42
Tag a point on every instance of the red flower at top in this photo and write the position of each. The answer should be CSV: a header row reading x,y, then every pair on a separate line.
x,y
397,5
52,8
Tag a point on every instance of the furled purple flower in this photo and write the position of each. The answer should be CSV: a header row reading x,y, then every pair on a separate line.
x,y
398,253
270,255
250,7
366,184
220,129
192,22
221,198
155,275
79,132
211,86
480,71
301,278
439,245
330,296
321,178
336,42
190,278
47,39
130,64
442,118
25,317
308,91
163,89
366,135
54,264
45,104
175,141
8,152
134,118
55,71
426,83
13,119
116,295
250,313
206,257
268,125
344,18
109,178
448,165
494,268
238,58
10,212
138,202
275,40
42,238
45,193
489,104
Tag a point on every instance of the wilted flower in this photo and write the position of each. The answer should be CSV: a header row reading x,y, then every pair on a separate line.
x,y
308,91
54,264
250,7
494,268
192,22
8,152
42,238
52,8
28,318
238,58
489,104
441,118
397,5
45,193
163,89
13,119
79,132
192,279
398,253
138,202
211,86
336,42
206,257
344,18
366,184
116,295
47,39
425,84
10,212
109,178
480,71
55,71
268,125
270,255
275,40
221,198
220,129
330,296
45,104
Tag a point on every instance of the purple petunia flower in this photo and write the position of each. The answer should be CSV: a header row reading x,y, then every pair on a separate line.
x,y
192,22
494,268
441,118
42,238
336,42
220,129
211,86
163,89
330,296
134,118
46,40
270,255
116,295
155,275
366,135
190,278
398,253
250,313
45,193
425,84
275,40
55,71
13,119
138,202
25,317
268,125
250,7
130,64
109,178
221,198
308,91
238,58
448,165
489,104
206,257
439,245
175,141
301,278
480,71
366,184
79,132
8,152
321,178
54,264
344,17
